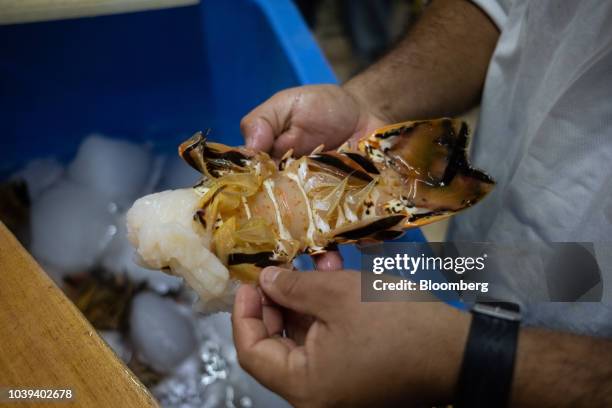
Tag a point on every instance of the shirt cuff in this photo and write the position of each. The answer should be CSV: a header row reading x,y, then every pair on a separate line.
x,y
497,10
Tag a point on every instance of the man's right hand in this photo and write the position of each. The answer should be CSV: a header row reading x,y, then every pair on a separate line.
x,y
305,117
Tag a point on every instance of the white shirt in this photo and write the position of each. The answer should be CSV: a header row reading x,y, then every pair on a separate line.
x,y
545,135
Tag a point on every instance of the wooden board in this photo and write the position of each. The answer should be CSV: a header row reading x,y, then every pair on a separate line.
x,y
27,11
45,342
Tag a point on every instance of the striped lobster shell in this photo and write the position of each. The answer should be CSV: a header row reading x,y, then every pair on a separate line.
x,y
258,212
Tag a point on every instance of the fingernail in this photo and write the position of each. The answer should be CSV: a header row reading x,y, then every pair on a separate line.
x,y
262,295
269,274
250,141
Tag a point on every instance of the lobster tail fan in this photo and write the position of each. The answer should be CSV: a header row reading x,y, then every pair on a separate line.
x,y
429,161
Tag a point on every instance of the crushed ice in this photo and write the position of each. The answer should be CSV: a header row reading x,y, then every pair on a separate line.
x,y
212,376
78,224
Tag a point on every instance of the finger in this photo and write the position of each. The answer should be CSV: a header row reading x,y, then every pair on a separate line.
x,y
272,317
258,133
293,138
265,123
266,358
297,325
329,261
249,314
289,341
310,293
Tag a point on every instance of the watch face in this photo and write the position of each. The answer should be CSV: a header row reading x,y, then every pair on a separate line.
x,y
501,310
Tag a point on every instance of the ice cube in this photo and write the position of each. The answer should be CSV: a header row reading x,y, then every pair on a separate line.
x,y
71,227
116,168
39,175
120,259
161,332
177,174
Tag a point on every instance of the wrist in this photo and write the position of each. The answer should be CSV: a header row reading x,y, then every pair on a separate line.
x,y
355,89
370,118
459,322
377,98
449,338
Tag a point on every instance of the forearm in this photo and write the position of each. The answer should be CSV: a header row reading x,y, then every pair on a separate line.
x,y
558,370
437,70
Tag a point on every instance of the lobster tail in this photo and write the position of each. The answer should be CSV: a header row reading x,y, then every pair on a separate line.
x,y
251,212
425,169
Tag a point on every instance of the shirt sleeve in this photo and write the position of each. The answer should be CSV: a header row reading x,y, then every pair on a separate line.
x,y
497,10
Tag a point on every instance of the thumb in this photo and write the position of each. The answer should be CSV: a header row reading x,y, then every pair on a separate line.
x,y
258,133
266,122
309,293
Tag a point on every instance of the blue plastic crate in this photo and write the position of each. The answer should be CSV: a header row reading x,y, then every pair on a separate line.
x,y
153,76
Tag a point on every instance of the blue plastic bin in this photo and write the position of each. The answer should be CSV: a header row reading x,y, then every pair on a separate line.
x,y
153,76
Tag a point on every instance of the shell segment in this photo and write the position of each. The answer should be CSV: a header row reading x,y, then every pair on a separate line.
x,y
257,213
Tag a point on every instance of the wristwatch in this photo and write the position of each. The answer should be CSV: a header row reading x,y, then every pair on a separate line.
x,y
488,361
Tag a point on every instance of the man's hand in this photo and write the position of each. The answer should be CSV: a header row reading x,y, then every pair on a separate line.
x,y
344,352
353,353
305,117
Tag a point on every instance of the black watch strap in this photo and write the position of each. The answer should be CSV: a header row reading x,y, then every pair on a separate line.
x,y
488,361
